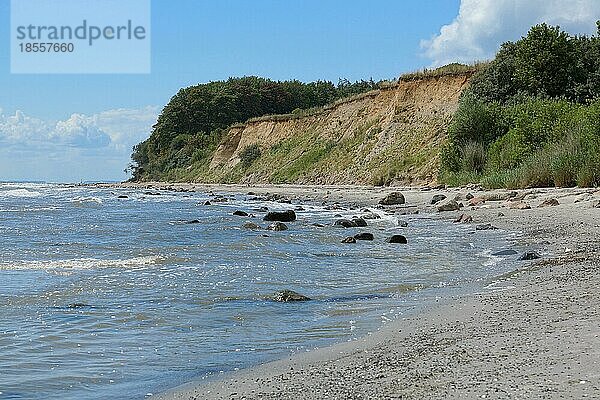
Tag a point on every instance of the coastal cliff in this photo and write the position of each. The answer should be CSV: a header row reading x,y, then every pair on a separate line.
x,y
390,135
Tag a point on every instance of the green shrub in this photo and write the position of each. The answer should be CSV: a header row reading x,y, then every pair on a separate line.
x,y
249,154
473,157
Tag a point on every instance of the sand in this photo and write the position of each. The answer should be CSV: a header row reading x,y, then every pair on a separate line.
x,y
533,334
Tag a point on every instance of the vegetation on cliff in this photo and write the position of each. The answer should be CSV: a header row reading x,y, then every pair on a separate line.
x,y
196,118
531,117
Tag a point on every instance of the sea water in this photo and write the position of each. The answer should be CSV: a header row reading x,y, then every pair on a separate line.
x,y
107,297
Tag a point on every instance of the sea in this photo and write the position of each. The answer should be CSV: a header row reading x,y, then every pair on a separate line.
x,y
113,293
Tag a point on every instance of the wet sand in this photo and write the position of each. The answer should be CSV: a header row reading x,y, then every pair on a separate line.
x,y
533,334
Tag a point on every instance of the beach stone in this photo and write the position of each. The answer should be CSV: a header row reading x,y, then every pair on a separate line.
x,y
397,239
277,227
596,204
360,222
345,223
349,239
485,227
505,253
469,196
370,215
499,196
476,201
364,236
437,198
285,296
281,216
463,219
251,226
519,205
450,205
402,224
392,199
240,213
549,203
530,255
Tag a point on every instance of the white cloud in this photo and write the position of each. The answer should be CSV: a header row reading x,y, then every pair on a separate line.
x,y
483,25
81,147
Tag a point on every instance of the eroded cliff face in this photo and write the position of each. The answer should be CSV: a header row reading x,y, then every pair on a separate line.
x,y
392,135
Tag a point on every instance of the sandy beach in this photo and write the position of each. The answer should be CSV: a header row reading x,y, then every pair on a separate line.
x,y
532,334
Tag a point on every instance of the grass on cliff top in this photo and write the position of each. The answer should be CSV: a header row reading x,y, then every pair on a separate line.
x,y
447,70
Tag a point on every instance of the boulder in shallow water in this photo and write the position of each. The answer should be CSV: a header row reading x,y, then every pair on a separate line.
x,y
192,221
400,239
360,222
252,226
403,224
463,219
370,215
285,296
207,203
530,255
123,196
240,213
281,216
392,199
344,223
450,205
364,236
349,239
437,198
507,252
485,227
77,305
277,227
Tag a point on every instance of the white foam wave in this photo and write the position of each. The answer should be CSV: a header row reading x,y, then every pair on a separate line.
x,y
83,263
86,200
20,193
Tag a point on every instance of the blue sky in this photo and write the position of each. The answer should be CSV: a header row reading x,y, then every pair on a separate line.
x,y
196,41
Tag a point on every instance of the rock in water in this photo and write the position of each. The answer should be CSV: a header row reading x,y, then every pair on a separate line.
x,y
463,219
277,227
437,198
349,239
393,199
252,226
371,215
403,224
285,296
207,203
364,236
485,227
530,255
450,205
123,196
346,223
281,216
193,221
240,213
549,203
508,252
360,222
397,239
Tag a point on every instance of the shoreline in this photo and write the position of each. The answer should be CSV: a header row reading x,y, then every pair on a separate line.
x,y
534,335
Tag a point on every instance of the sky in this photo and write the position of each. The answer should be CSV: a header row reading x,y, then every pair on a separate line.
x,y
72,128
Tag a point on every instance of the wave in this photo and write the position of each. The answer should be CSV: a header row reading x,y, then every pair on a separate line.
x,y
84,263
83,201
20,193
